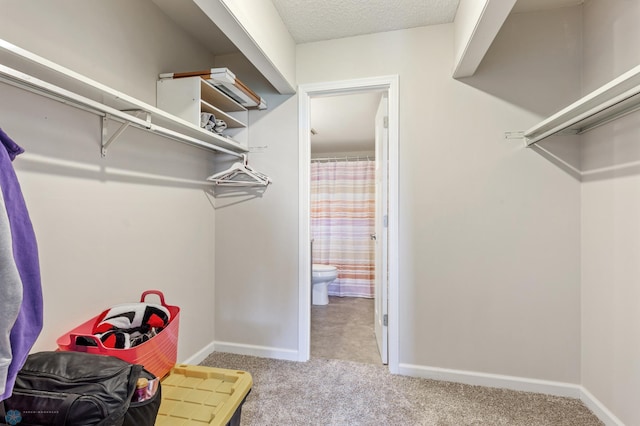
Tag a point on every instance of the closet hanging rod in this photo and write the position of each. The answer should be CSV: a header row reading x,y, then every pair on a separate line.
x,y
34,85
615,99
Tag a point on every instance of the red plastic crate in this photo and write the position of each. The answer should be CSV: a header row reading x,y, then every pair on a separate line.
x,y
158,354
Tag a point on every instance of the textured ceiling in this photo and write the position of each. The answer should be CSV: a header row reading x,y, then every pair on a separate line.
x,y
315,20
329,19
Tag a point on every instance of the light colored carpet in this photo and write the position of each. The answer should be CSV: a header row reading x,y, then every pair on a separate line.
x,y
339,392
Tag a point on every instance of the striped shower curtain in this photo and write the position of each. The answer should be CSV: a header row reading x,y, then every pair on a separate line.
x,y
342,221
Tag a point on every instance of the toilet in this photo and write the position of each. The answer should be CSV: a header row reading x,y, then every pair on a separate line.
x,y
321,276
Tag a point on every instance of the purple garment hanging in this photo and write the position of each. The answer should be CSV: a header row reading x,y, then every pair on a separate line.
x,y
10,294
28,325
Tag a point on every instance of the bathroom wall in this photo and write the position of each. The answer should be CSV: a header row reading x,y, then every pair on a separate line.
x,y
109,228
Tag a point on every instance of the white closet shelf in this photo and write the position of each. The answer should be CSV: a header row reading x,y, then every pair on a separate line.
x,y
231,121
31,72
615,99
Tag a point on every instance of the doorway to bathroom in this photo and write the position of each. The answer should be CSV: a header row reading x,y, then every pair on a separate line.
x,y
343,201
363,325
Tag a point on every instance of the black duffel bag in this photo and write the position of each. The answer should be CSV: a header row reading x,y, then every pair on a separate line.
x,y
73,389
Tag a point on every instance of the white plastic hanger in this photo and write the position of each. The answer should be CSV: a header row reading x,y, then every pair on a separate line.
x,y
240,174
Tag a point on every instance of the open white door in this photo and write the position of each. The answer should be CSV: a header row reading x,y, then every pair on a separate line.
x,y
387,303
381,235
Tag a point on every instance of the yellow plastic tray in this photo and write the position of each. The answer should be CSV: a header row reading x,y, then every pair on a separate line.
x,y
193,395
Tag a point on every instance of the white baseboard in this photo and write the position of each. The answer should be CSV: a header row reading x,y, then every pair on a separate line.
x,y
599,409
200,356
241,349
492,380
254,350
515,383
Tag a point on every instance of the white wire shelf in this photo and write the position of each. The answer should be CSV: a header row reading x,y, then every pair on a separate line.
x,y
31,72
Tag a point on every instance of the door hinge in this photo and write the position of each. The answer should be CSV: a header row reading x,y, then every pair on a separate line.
x,y
386,122
385,320
385,221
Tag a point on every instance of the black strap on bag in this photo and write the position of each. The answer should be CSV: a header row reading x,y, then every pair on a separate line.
x,y
63,409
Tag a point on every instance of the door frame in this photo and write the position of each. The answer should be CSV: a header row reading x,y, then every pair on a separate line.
x,y
305,93
381,236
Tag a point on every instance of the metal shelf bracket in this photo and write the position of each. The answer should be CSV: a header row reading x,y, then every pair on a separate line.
x,y
105,129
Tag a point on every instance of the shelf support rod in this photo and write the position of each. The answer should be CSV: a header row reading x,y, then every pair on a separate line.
x,y
124,126
116,135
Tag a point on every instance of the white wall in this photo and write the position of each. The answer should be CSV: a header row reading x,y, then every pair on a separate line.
x,y
257,234
105,235
489,231
256,244
611,219
123,44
